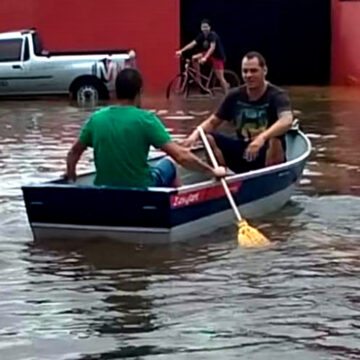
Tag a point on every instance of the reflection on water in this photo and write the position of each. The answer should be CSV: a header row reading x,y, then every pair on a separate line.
x,y
199,300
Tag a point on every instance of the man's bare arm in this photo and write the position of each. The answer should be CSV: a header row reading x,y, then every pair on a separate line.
x,y
280,127
72,159
210,51
187,159
210,124
186,47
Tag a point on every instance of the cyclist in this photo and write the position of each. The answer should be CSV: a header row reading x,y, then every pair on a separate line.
x,y
212,52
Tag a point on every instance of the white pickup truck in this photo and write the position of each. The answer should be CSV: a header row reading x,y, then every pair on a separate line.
x,y
27,69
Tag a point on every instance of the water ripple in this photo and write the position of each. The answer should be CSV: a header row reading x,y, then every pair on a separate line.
x,y
206,299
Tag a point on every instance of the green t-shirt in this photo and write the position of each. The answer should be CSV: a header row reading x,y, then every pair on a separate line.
x,y
121,137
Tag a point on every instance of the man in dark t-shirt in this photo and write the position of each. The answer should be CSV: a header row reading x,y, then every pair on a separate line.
x,y
261,114
211,50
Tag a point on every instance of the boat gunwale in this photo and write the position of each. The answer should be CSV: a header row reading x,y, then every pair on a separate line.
x,y
254,173
184,188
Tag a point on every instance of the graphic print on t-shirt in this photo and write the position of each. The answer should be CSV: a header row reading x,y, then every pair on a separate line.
x,y
250,120
205,45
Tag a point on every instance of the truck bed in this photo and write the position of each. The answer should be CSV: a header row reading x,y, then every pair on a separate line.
x,y
84,52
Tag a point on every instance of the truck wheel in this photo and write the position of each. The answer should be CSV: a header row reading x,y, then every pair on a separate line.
x,y
88,91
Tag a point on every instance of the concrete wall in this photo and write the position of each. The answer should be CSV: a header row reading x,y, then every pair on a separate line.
x,y
345,42
151,27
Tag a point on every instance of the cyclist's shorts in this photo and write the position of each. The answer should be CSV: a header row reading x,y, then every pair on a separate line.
x,y
217,64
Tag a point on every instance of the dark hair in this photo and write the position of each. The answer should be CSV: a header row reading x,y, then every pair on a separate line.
x,y
205,21
257,55
128,84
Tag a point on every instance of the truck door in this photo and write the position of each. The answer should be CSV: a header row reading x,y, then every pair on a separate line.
x,y
12,72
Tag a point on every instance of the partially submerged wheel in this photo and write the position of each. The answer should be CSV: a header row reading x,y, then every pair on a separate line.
x,y
177,87
88,90
231,78
87,94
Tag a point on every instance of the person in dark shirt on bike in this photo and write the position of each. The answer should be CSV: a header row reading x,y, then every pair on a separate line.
x,y
212,51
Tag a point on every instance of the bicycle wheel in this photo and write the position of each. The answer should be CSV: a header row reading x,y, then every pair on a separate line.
x,y
231,78
177,87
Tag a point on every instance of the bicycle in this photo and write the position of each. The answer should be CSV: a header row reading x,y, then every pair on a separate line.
x,y
208,84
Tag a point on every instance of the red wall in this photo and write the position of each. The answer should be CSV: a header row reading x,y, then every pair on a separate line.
x,y
345,42
151,27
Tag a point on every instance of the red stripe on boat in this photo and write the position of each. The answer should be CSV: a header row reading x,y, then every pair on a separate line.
x,y
198,196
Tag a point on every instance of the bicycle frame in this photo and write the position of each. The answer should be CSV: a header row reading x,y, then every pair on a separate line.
x,y
191,73
181,83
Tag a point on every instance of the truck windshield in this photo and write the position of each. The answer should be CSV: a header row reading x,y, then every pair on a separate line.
x,y
10,50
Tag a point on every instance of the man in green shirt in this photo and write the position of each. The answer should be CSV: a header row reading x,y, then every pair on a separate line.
x,y
121,137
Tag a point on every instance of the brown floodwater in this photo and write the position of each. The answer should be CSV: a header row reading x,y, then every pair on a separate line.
x,y
202,299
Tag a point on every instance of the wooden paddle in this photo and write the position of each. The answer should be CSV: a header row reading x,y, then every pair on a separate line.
x,y
247,235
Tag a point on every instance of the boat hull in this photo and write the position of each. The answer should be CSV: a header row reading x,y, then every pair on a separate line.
x,y
57,210
182,232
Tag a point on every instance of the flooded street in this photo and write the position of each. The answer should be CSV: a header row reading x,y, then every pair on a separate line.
x,y
204,299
